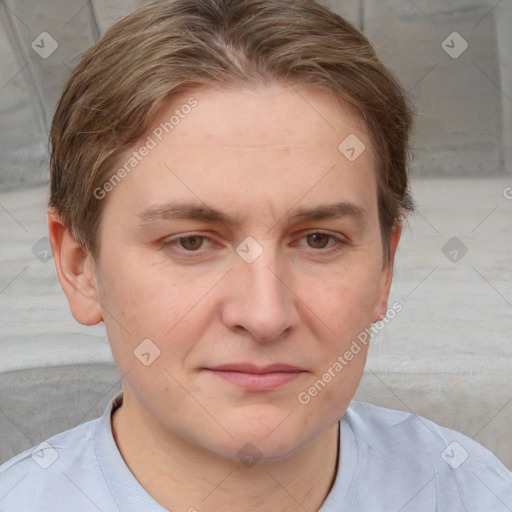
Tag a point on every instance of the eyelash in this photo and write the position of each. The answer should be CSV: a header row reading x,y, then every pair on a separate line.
x,y
173,243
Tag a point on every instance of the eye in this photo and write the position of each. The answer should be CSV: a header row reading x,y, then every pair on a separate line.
x,y
323,242
194,243
191,243
318,240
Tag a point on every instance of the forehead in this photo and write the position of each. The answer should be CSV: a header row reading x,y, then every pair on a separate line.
x,y
276,117
273,147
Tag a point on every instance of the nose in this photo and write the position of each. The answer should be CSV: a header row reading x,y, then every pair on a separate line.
x,y
259,300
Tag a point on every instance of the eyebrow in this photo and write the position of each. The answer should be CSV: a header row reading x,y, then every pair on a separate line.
x,y
198,212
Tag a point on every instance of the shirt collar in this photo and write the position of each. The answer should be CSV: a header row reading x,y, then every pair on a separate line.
x,y
129,494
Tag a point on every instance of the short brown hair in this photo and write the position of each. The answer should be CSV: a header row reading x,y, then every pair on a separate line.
x,y
169,47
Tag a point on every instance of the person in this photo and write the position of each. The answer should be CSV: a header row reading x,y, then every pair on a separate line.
x,y
228,185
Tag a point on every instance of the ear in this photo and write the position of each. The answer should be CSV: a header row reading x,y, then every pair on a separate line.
x,y
387,275
75,270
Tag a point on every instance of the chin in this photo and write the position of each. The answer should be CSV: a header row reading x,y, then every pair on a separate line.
x,y
264,432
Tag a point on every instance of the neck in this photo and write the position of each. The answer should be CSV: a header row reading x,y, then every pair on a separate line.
x,y
181,476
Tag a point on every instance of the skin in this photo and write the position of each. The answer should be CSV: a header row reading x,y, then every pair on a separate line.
x,y
258,155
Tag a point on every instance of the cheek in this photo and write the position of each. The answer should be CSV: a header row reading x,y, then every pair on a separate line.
x,y
151,303
143,298
132,308
346,297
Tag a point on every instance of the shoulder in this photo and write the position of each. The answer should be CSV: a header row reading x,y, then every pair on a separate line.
x,y
397,431
57,467
447,467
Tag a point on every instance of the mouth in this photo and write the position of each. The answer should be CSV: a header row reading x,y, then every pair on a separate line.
x,y
256,378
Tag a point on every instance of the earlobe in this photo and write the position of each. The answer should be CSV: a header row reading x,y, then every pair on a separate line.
x,y
387,275
75,270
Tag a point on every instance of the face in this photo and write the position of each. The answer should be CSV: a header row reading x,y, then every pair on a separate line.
x,y
246,247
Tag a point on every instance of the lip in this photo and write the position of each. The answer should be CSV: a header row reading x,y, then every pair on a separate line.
x,y
257,378
252,368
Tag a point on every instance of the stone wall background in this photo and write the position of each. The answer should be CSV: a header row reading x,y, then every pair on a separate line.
x,y
464,122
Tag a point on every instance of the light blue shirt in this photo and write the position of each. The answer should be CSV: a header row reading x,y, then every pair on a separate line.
x,y
390,461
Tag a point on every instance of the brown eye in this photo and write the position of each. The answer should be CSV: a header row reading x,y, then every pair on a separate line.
x,y
318,240
191,243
